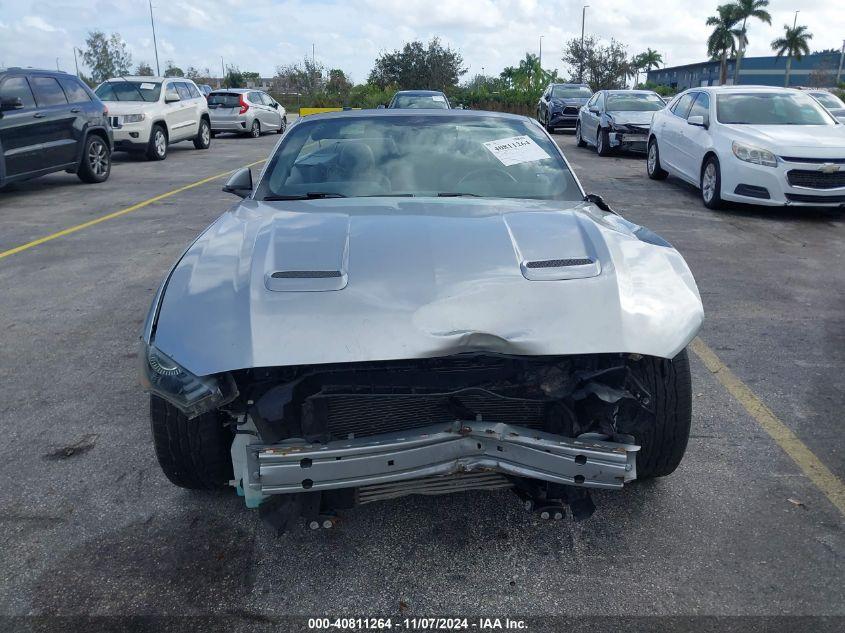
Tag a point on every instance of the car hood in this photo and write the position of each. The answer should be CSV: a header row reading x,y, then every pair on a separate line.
x,y
811,141
330,281
634,118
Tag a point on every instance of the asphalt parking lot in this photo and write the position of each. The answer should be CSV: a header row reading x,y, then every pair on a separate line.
x,y
91,527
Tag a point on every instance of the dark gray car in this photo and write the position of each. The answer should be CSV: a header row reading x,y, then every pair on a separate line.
x,y
617,119
560,103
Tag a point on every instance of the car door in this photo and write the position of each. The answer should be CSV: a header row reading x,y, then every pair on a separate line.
x,y
262,111
57,132
188,117
273,110
198,103
593,117
695,139
673,133
543,106
19,136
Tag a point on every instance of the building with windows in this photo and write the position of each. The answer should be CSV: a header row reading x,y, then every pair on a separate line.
x,y
819,70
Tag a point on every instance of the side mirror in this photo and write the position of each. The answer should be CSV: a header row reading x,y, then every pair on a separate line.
x,y
697,120
171,96
594,110
546,97
15,103
274,105
239,183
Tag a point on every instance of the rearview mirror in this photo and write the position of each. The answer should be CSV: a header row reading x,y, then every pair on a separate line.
x,y
14,103
171,96
697,121
239,183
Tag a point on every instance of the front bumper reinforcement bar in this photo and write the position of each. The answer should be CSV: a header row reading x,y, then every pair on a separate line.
x,y
442,449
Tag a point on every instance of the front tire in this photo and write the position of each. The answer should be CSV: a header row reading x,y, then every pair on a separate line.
x,y
203,138
579,140
96,160
284,126
663,440
193,453
655,171
157,147
255,129
711,183
603,142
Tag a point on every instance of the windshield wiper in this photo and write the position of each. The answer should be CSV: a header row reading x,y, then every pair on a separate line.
x,y
456,194
311,195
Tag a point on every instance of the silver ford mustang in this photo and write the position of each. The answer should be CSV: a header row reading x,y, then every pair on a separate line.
x,y
419,303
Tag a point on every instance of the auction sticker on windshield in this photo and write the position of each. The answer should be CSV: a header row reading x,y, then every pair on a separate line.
x,y
515,150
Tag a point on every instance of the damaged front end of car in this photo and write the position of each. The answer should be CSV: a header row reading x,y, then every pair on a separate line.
x,y
311,440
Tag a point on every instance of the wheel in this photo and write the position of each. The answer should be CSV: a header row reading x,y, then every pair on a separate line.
x,y
603,142
549,129
579,140
96,160
663,439
203,138
282,129
655,171
711,183
192,453
157,147
255,130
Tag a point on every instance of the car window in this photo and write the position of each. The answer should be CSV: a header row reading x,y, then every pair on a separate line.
x,y
48,92
224,99
268,100
415,155
828,100
633,102
255,97
593,100
570,92
17,88
681,107
600,101
182,89
195,93
771,108
420,101
146,91
74,90
701,106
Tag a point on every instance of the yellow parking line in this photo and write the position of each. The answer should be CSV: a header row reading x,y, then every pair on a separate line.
x,y
116,214
810,465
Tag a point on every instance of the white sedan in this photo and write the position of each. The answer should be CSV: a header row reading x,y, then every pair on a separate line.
x,y
769,146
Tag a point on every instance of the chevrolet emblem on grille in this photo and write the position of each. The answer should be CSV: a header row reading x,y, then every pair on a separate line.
x,y
829,168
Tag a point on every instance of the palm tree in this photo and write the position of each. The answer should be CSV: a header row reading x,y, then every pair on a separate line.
x,y
646,61
795,43
723,38
745,9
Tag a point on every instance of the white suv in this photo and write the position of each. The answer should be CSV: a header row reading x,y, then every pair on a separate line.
x,y
147,114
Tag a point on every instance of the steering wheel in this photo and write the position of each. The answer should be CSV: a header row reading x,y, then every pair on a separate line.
x,y
493,171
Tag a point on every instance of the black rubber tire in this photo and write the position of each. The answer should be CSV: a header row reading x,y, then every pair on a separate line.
x,y
658,173
152,153
255,129
715,202
194,453
579,140
549,129
664,442
282,129
203,138
603,142
95,164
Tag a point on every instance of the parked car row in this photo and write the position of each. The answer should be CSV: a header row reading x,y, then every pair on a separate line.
x,y
751,144
51,121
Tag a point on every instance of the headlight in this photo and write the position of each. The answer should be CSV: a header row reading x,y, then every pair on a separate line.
x,y
194,395
754,155
133,118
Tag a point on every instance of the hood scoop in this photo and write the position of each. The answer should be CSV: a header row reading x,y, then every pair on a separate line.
x,y
558,269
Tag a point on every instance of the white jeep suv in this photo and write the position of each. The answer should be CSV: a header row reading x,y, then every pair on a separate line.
x,y
147,114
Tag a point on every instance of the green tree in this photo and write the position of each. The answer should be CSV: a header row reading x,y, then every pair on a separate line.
x,y
722,40
107,57
251,78
234,78
171,70
434,66
144,70
338,84
646,61
745,9
795,42
605,66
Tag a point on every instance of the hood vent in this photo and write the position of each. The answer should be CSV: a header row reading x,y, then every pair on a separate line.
x,y
305,280
560,269
305,274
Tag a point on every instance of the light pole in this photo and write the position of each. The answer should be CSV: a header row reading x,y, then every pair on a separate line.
x,y
541,52
155,44
841,59
581,68
795,19
75,63
57,63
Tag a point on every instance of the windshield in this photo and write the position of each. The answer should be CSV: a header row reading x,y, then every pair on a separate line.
x,y
129,91
224,99
417,155
570,92
828,100
634,102
437,102
770,108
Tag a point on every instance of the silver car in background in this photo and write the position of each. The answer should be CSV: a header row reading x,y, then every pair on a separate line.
x,y
245,111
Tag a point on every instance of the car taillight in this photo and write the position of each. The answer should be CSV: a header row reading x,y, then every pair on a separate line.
x,y
244,104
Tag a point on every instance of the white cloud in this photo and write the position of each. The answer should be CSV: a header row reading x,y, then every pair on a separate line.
x,y
38,23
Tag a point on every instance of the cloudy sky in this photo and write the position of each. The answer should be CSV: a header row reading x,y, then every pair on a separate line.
x,y
258,35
